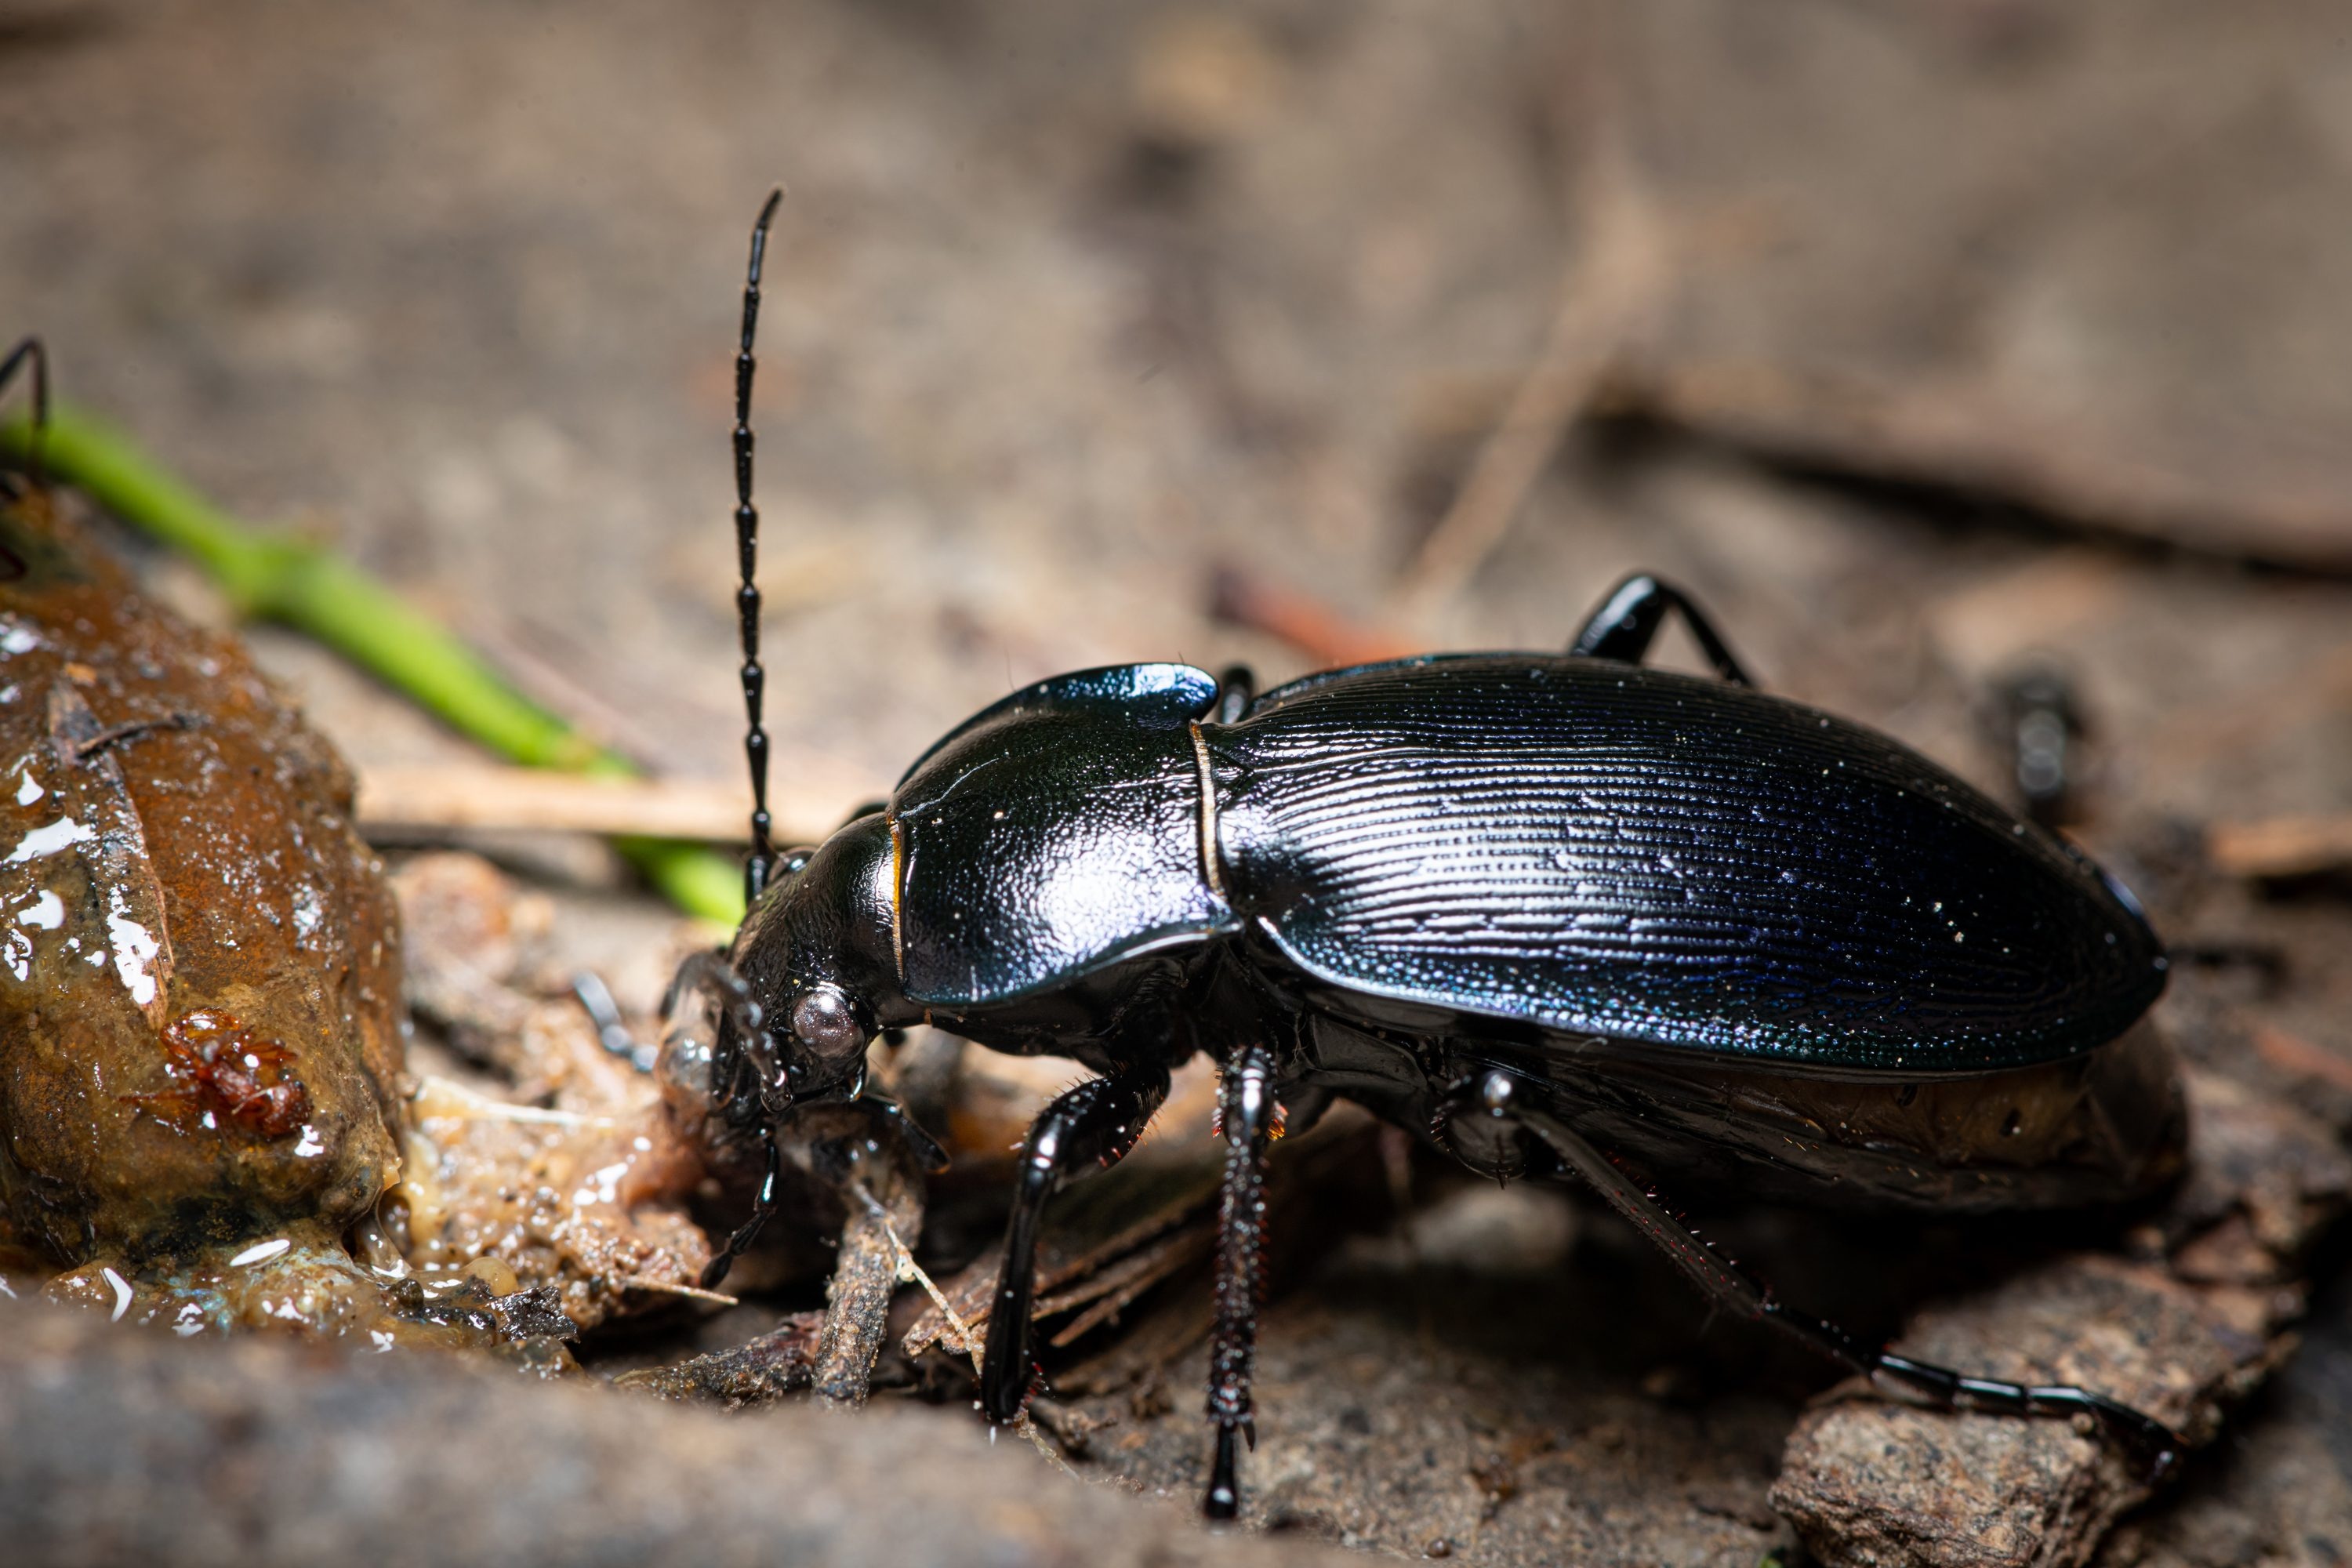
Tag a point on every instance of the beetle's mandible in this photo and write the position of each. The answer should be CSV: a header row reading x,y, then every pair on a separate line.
x,y
1557,913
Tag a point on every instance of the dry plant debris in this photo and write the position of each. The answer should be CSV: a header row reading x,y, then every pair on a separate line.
x,y
559,1165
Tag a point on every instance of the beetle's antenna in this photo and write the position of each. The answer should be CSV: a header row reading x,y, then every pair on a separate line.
x,y
30,351
747,551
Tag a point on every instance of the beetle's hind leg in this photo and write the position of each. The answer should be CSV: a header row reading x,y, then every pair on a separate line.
x,y
1093,1124
1501,1095
1627,622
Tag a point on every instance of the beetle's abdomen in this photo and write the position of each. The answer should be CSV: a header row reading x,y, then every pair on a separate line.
x,y
1592,847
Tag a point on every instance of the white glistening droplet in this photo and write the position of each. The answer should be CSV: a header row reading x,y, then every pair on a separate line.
x,y
135,947
122,1293
62,834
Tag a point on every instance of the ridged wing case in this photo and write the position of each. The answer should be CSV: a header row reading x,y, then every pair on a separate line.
x,y
1592,847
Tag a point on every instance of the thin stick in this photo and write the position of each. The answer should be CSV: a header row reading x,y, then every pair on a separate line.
x,y
1610,293
31,351
857,1299
2282,846
910,1268
465,1105
528,800
670,1288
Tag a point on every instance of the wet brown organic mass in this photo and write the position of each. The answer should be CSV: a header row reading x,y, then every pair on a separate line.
x,y
199,969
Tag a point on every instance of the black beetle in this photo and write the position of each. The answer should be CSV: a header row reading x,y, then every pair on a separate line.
x,y
1558,913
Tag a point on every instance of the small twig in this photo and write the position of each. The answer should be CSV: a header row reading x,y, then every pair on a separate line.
x,y
757,1371
530,799
472,1106
966,1340
909,1269
1026,1425
1114,1290
533,800
2281,847
2293,1054
856,1303
1614,286
671,1287
854,1148
1305,622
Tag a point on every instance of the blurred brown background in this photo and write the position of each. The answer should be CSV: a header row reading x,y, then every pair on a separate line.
x,y
1914,336
1073,303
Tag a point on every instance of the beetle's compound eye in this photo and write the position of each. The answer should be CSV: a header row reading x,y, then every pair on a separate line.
x,y
825,1021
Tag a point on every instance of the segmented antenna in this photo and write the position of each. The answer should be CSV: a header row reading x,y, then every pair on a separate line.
x,y
747,551
30,350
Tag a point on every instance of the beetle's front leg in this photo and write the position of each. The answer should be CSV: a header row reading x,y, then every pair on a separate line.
x,y
1247,1113
1093,1124
764,1208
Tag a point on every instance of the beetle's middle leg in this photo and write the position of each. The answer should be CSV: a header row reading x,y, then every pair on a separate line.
x,y
1236,690
1499,1094
1247,1113
1095,1123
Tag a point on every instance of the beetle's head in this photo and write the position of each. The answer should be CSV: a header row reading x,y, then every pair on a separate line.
x,y
815,955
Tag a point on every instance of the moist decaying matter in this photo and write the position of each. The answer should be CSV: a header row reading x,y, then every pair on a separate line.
x,y
205,1119
555,1162
199,963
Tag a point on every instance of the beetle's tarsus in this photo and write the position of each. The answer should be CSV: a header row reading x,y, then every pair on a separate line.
x,y
595,999
1223,1499
1940,1388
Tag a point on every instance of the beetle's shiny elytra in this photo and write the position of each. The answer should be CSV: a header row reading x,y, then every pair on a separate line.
x,y
1558,913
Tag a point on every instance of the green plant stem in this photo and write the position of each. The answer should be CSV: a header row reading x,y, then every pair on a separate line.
x,y
302,583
